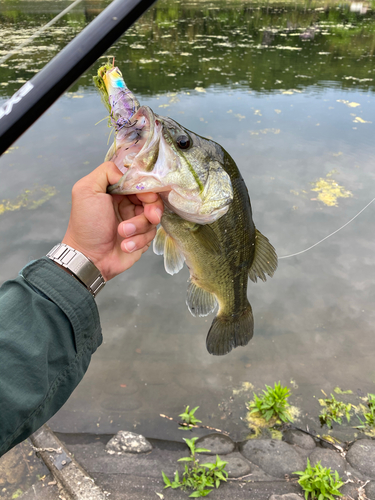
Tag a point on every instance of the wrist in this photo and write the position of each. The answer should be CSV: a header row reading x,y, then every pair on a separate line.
x,y
79,266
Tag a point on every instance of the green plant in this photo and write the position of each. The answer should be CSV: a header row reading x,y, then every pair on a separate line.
x,y
198,477
189,419
273,403
319,482
370,415
334,411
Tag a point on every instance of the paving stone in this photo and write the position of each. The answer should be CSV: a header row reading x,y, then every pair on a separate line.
x,y
288,496
361,456
328,458
219,444
370,490
349,491
237,465
128,442
277,458
299,438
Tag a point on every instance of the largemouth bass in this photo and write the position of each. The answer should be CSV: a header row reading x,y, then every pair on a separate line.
x,y
207,222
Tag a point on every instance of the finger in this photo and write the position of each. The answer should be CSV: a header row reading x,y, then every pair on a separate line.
x,y
135,225
137,242
99,179
154,210
147,197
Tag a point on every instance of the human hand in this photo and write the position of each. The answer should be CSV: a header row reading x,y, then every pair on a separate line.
x,y
111,230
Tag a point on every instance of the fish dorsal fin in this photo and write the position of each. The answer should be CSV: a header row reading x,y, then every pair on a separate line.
x,y
159,241
207,238
200,302
173,257
265,258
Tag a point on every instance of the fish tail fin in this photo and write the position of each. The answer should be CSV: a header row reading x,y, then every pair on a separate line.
x,y
227,332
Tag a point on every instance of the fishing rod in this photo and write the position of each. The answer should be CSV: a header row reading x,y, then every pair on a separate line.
x,y
39,93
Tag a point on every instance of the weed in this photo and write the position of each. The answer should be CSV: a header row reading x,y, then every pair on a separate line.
x,y
334,411
198,477
189,419
273,403
319,482
370,415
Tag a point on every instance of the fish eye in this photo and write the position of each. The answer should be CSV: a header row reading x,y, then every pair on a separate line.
x,y
183,142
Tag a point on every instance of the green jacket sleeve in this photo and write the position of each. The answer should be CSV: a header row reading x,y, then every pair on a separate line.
x,y
49,328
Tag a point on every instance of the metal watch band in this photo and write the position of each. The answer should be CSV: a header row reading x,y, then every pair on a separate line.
x,y
79,265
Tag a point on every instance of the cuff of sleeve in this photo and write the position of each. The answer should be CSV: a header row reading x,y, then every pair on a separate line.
x,y
70,296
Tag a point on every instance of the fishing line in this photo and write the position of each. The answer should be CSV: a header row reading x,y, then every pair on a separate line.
x,y
334,232
37,33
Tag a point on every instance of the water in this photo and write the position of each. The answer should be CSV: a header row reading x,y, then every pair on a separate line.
x,y
288,90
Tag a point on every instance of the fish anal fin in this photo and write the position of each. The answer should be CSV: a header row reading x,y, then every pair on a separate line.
x,y
200,302
265,259
173,257
159,241
207,238
227,332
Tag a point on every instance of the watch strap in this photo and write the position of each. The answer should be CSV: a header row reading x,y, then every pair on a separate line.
x,y
79,265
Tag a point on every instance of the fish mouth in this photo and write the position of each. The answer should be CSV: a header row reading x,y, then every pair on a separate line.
x,y
136,153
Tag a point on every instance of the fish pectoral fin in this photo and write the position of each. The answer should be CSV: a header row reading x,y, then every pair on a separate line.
x,y
207,238
173,257
227,332
159,241
265,259
200,302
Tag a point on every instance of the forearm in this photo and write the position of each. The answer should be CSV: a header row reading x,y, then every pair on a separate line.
x,y
49,328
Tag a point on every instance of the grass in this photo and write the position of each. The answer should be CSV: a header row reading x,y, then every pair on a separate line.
x,y
334,411
319,482
272,403
201,478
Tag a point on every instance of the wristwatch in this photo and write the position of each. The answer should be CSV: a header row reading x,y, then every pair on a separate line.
x,y
79,265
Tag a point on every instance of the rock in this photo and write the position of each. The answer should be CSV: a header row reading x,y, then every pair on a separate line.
x,y
128,442
299,438
349,491
328,458
287,496
237,465
277,458
361,457
370,490
218,444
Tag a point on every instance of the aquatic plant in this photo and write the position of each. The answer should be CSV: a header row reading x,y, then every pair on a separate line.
x,y
273,403
370,415
319,482
199,477
334,411
189,419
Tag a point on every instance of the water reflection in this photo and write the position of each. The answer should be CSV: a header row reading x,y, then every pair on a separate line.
x,y
281,109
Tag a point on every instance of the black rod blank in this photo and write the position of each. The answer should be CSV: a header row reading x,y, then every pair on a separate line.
x,y
39,93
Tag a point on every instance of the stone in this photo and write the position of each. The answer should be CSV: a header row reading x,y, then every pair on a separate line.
x,y
287,496
237,465
349,491
128,442
299,438
218,444
328,458
370,490
277,458
361,457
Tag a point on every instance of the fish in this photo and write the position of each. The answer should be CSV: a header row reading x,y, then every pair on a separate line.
x,y
207,222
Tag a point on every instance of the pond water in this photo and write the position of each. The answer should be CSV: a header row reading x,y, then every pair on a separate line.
x,y
288,90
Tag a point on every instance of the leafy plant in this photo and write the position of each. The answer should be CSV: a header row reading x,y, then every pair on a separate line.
x,y
273,403
370,415
198,477
319,482
334,411
189,419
